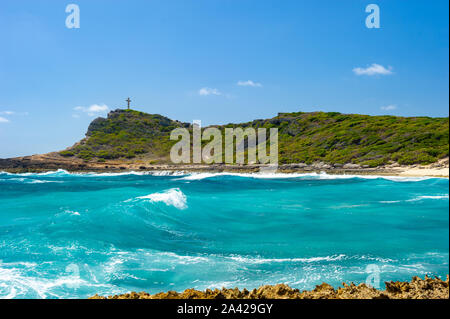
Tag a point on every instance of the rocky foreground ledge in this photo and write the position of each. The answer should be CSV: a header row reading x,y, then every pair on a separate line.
x,y
418,288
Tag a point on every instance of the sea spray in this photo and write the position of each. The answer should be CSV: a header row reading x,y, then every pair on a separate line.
x,y
172,197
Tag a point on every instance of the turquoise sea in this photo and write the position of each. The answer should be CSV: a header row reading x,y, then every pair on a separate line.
x,y
74,235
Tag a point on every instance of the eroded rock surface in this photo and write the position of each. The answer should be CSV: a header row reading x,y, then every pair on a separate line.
x,y
417,288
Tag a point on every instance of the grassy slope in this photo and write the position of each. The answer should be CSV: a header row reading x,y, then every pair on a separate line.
x,y
126,134
303,137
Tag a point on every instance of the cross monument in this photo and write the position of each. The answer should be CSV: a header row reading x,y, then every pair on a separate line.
x,y
128,101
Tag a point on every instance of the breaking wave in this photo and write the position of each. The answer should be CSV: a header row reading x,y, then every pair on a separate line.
x,y
172,197
428,197
416,199
305,176
192,176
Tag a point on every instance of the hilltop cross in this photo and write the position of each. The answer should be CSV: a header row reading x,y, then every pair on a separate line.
x,y
128,101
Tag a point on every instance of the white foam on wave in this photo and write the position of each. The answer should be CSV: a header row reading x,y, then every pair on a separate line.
x,y
15,179
435,197
92,174
17,282
62,172
38,181
252,260
25,180
58,172
72,212
340,257
213,258
256,260
168,173
418,198
130,173
172,197
199,176
185,259
49,173
306,176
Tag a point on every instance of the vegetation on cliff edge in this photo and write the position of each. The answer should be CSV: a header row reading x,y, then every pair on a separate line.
x,y
303,138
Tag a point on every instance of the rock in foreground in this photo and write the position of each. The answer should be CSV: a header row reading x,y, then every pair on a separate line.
x,y
418,288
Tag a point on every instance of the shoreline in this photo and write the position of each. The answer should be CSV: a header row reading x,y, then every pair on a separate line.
x,y
411,173
417,288
52,162
172,171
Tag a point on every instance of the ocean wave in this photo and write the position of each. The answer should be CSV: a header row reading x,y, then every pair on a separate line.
x,y
172,197
242,259
168,173
62,172
340,257
30,280
390,201
72,212
59,172
19,282
253,260
25,180
185,259
38,181
305,176
130,173
191,176
418,198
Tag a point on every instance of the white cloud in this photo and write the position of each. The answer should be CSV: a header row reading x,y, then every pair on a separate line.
x,y
14,113
10,113
390,107
249,83
208,91
374,69
93,110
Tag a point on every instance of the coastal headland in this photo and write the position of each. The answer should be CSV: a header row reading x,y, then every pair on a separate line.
x,y
334,143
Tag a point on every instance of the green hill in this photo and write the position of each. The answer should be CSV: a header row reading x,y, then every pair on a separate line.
x,y
303,138
126,134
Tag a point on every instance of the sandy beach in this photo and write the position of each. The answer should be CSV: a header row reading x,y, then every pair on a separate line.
x,y
423,172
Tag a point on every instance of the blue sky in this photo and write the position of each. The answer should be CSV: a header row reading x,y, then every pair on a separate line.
x,y
219,61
